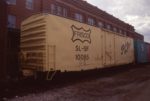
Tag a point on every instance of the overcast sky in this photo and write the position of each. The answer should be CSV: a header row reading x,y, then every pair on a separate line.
x,y
134,12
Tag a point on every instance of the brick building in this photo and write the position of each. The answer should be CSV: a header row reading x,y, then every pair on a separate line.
x,y
79,10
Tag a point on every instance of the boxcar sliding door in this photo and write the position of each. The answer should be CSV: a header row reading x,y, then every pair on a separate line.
x,y
109,45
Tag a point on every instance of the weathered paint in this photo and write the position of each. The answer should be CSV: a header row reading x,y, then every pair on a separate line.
x,y
68,45
140,51
124,50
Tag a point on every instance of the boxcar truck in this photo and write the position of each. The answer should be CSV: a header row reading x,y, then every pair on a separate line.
x,y
50,43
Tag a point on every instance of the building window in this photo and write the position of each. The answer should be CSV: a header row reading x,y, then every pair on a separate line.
x,y
125,33
29,4
120,31
108,27
11,2
114,29
91,21
65,12
53,9
59,10
100,24
78,17
11,21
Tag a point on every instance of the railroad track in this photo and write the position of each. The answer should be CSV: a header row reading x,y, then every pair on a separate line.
x,y
25,87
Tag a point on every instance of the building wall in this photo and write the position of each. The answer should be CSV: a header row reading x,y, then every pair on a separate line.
x,y
138,36
3,37
87,10
21,12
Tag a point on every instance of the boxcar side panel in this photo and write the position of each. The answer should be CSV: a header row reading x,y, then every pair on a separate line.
x,y
78,46
109,48
83,47
124,50
140,51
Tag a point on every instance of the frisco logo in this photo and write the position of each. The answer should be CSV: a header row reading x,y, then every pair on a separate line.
x,y
80,34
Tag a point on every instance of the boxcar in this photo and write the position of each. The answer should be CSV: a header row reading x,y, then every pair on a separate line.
x,y
53,43
148,52
3,31
140,51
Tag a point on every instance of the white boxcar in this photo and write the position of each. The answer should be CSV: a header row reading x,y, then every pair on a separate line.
x,y
53,43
